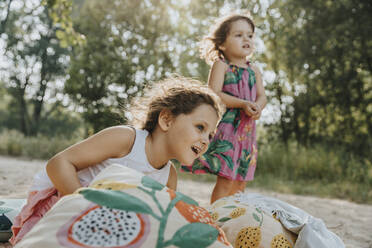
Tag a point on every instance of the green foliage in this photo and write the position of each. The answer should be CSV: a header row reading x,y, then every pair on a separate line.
x,y
35,62
60,12
316,163
62,122
127,43
315,170
14,143
59,121
321,52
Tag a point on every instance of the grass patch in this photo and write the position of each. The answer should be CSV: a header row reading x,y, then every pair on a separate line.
x,y
14,143
351,191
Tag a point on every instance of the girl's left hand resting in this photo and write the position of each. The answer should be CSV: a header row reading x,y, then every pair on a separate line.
x,y
250,108
257,115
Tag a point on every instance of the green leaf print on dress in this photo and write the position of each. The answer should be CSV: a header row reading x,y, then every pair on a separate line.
x,y
230,78
229,116
232,116
252,79
218,147
244,162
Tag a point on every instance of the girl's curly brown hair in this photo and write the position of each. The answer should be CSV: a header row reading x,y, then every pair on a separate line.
x,y
178,94
210,45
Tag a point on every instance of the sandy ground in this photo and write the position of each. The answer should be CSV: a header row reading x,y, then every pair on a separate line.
x,y
351,221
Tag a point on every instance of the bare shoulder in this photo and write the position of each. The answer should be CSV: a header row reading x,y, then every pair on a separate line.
x,y
220,65
121,136
256,69
172,179
122,129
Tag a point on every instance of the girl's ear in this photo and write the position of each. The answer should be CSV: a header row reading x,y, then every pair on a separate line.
x,y
165,119
222,47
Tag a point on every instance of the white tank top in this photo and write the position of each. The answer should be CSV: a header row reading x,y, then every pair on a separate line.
x,y
136,160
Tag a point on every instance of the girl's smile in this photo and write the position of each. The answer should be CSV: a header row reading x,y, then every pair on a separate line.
x,y
188,134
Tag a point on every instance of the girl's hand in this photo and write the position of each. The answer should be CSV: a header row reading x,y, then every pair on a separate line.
x,y
257,115
251,108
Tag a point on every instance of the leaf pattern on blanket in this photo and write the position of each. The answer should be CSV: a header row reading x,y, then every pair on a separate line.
x,y
115,203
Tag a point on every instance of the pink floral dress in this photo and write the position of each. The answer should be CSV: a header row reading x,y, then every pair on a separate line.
x,y
232,152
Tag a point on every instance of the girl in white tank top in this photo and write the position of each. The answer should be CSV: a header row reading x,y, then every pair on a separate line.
x,y
176,118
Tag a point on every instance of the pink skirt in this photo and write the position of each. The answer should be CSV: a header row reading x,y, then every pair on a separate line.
x,y
38,203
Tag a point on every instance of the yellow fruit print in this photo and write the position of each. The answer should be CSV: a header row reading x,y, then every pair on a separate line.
x,y
214,216
241,138
237,212
279,241
247,128
111,185
248,237
254,160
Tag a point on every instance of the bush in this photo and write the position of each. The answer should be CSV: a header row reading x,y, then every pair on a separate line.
x,y
14,143
313,163
317,170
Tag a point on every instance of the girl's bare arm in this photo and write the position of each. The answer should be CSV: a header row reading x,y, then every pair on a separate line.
x,y
112,142
261,99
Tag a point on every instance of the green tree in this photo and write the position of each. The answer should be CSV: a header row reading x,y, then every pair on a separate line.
x,y
324,51
34,62
127,44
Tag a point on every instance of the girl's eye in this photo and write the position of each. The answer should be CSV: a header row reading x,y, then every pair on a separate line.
x,y
238,35
200,127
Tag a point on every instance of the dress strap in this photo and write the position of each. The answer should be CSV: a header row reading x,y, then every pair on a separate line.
x,y
229,64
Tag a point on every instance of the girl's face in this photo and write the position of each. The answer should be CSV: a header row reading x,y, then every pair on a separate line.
x,y
239,41
189,134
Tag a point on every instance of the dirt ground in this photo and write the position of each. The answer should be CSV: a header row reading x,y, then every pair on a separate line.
x,y
351,221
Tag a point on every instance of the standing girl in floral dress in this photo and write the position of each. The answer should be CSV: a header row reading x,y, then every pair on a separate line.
x,y
232,154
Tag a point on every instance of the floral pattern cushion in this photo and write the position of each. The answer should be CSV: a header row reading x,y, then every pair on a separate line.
x,y
123,208
248,226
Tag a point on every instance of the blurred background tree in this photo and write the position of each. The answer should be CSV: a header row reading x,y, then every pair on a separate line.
x,y
33,68
126,46
321,53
